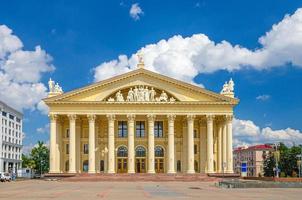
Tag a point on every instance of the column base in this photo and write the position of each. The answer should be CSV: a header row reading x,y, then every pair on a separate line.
x,y
210,172
229,171
151,172
54,172
91,171
171,172
111,172
190,172
131,172
72,172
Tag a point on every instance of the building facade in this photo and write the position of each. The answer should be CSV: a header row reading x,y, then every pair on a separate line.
x,y
141,122
11,136
254,156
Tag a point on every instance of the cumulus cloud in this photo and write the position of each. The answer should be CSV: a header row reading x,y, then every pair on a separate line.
x,y
263,97
186,57
44,129
246,132
21,72
135,11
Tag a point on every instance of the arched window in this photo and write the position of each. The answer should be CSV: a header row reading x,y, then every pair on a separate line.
x,y
140,151
159,151
122,152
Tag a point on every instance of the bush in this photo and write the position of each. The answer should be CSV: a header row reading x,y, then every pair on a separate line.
x,y
282,174
294,174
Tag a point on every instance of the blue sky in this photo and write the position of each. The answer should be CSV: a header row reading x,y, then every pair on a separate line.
x,y
82,37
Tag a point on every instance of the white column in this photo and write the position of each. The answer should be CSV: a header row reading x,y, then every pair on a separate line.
x,y
210,155
72,143
229,119
59,156
219,160
91,149
224,146
151,119
111,150
184,146
171,144
131,153
203,146
79,165
190,145
52,144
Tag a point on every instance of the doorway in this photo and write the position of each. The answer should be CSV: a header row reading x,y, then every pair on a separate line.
x,y
122,159
159,159
140,160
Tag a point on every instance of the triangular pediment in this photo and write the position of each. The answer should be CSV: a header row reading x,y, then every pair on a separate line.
x,y
107,89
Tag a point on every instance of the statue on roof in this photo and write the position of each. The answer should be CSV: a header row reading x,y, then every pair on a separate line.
x,y
228,88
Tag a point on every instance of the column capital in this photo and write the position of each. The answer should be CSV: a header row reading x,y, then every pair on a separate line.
x,y
131,117
72,117
110,117
171,117
229,118
210,118
91,117
151,117
53,117
190,117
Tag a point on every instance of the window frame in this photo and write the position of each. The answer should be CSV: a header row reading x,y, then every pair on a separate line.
x,y
122,131
158,129
140,129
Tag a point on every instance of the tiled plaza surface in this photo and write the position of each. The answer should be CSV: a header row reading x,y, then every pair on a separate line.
x,y
39,189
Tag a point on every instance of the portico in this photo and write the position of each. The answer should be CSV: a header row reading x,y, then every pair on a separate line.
x,y
141,122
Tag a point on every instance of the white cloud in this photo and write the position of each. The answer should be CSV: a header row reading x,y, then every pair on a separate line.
x,y
247,133
21,72
185,58
135,11
44,129
263,97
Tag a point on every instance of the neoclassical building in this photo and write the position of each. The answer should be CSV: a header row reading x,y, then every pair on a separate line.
x,y
141,122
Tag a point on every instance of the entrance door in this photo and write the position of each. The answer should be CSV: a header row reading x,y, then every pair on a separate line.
x,y
159,165
140,166
121,165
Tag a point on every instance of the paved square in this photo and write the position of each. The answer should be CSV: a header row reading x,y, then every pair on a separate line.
x,y
39,189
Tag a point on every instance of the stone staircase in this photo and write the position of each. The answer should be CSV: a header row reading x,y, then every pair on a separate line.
x,y
140,177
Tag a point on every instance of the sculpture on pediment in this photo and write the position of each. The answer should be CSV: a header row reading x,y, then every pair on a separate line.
x,y
141,94
119,96
228,88
130,96
163,96
152,94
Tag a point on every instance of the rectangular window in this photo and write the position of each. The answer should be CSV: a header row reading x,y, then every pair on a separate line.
x,y
140,129
67,133
195,133
18,120
11,117
158,129
85,148
67,148
195,149
4,113
122,129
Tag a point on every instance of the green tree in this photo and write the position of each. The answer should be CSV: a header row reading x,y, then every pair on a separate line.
x,y
40,155
269,165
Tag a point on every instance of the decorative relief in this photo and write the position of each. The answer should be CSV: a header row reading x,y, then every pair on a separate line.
x,y
141,94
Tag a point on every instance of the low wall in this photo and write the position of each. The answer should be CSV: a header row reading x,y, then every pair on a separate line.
x,y
274,179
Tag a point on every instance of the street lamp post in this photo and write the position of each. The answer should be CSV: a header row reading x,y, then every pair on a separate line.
x,y
277,159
